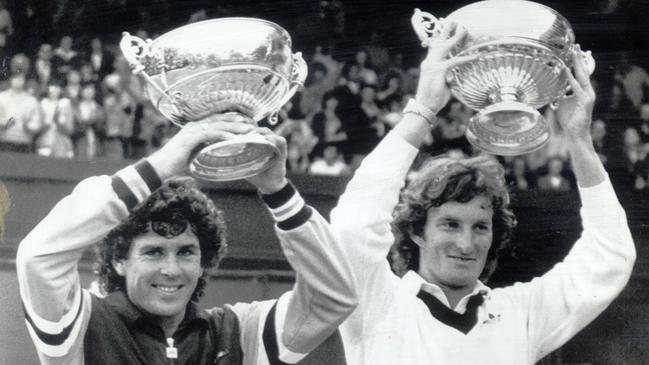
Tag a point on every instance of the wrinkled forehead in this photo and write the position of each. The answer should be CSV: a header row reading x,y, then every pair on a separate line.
x,y
153,238
477,209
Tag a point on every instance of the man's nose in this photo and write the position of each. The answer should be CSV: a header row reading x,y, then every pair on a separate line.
x,y
170,266
464,241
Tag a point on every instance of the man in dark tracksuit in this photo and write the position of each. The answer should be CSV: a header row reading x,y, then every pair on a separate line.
x,y
158,236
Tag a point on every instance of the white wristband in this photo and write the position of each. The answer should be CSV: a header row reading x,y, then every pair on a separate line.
x,y
414,107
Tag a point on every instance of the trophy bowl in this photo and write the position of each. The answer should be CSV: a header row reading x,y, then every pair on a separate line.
x,y
523,48
225,65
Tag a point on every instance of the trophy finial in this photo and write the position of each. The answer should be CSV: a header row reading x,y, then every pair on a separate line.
x,y
134,49
425,26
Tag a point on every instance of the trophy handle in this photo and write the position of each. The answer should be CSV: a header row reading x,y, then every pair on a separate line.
x,y
134,50
299,72
426,25
587,56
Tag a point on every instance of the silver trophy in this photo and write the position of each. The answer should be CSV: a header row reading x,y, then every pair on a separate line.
x,y
227,65
523,47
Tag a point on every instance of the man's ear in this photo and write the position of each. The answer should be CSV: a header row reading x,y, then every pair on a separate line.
x,y
118,265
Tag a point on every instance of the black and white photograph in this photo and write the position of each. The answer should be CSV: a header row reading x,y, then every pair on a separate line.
x,y
331,182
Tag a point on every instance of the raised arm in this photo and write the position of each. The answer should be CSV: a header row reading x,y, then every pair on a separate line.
x,y
324,294
363,215
372,194
599,265
56,308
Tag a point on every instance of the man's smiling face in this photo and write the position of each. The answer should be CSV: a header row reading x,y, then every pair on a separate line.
x,y
162,273
456,241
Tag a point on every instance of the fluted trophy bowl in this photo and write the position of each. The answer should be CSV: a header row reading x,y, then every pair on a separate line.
x,y
226,65
523,48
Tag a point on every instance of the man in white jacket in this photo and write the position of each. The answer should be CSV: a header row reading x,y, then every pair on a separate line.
x,y
454,216
159,235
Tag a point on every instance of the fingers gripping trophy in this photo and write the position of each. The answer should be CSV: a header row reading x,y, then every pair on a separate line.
x,y
228,65
523,50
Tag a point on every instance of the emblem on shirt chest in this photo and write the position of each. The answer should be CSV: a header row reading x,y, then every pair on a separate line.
x,y
491,318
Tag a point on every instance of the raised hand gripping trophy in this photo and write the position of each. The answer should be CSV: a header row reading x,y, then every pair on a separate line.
x,y
227,65
523,48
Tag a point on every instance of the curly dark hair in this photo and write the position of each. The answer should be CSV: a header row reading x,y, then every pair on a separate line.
x,y
168,211
443,179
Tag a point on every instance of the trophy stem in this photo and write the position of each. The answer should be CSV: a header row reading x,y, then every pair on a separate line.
x,y
505,94
238,158
508,128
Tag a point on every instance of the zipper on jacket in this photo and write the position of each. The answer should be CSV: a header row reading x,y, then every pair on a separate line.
x,y
172,352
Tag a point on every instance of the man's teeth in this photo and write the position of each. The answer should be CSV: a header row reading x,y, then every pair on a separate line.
x,y
168,289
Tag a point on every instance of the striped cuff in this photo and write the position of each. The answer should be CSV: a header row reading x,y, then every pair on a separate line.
x,y
55,339
287,207
135,183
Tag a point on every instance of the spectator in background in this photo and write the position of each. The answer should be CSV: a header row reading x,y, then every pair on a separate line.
x,y
392,111
410,79
366,72
100,60
558,144
43,70
600,142
630,162
327,126
330,163
395,67
20,115
450,132
643,123
537,161
372,111
633,79
323,74
151,124
350,78
361,134
391,88
34,89
65,58
642,175
73,86
54,138
127,102
119,123
88,75
518,176
554,180
6,30
299,138
618,113
89,124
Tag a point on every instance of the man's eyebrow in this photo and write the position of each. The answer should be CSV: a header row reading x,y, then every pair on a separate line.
x,y
190,245
149,246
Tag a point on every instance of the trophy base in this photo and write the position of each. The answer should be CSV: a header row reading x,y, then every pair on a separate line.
x,y
508,128
239,158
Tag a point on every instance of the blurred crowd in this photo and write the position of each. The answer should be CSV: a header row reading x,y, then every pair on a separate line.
x,y
77,98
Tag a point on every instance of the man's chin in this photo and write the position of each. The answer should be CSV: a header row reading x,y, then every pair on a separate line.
x,y
166,310
460,284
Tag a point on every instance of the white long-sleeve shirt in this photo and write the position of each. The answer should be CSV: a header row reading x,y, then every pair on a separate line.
x,y
59,310
516,325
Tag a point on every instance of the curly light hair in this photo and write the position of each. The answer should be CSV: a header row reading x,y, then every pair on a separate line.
x,y
178,203
443,179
